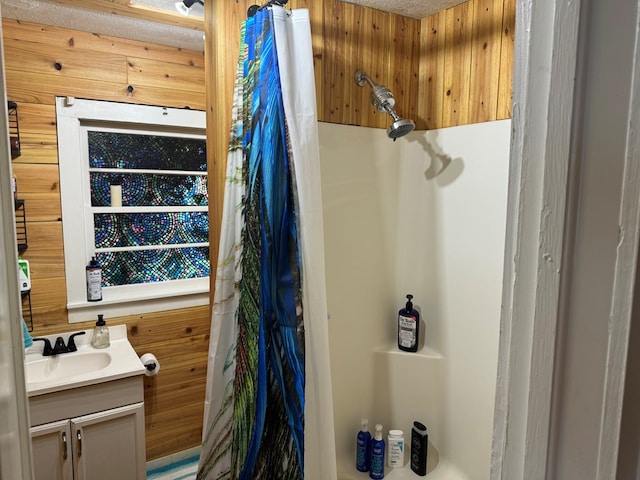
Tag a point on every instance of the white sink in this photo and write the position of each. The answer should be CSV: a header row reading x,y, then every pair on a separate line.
x,y
86,366
66,365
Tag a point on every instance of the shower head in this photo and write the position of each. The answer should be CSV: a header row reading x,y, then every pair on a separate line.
x,y
400,126
382,99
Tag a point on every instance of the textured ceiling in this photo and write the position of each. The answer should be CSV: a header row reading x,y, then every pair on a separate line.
x,y
58,15
48,12
408,8
197,10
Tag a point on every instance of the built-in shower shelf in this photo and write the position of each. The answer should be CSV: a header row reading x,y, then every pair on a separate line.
x,y
438,468
425,352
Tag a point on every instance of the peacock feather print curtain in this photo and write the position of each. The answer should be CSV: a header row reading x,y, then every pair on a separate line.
x,y
268,411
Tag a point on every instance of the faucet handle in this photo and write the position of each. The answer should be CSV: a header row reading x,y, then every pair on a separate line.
x,y
47,346
71,344
59,347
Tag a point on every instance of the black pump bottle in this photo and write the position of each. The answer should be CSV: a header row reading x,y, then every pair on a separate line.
x,y
408,327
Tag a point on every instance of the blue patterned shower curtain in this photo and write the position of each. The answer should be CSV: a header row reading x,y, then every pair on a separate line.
x,y
268,411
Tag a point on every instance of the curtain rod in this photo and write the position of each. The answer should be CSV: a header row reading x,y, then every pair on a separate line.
x,y
253,9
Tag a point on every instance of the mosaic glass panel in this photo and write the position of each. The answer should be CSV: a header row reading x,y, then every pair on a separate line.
x,y
126,150
139,190
143,229
148,266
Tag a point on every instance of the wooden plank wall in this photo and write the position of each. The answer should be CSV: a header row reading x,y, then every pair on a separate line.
x,y
466,64
42,62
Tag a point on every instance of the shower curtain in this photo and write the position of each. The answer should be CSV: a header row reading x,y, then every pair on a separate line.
x,y
268,409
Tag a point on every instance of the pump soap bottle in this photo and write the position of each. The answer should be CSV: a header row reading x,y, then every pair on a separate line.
x,y
100,338
94,281
363,445
408,327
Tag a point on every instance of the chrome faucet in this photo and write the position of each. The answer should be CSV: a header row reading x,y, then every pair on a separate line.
x,y
59,346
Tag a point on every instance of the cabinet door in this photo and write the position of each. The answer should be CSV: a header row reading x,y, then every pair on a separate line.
x,y
51,446
110,445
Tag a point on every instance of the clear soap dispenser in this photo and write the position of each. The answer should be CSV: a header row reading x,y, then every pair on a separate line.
x,y
100,338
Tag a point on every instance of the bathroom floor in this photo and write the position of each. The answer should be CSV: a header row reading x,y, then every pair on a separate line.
x,y
184,469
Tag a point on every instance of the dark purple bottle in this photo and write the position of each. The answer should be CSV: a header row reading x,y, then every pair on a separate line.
x,y
408,327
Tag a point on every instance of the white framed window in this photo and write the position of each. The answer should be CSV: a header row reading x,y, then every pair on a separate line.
x,y
133,185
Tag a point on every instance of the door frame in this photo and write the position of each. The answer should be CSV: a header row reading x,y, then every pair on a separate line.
x,y
15,440
545,211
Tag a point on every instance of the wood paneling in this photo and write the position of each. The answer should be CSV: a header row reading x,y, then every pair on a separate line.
x,y
20,87
64,63
37,178
103,68
466,63
384,46
45,250
37,119
457,61
37,154
155,73
507,46
183,417
485,59
174,399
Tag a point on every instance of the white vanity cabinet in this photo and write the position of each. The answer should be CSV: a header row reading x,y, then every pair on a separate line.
x,y
51,447
95,432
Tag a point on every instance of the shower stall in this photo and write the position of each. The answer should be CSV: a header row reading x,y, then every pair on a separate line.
x,y
424,215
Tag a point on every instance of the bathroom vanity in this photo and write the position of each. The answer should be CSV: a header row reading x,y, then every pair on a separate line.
x,y
87,411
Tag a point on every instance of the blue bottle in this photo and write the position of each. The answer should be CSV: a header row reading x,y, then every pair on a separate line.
x,y
363,445
408,327
376,470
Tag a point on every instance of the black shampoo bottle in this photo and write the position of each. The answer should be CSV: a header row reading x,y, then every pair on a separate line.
x,y
419,439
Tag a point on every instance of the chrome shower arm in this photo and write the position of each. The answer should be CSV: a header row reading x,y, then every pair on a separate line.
x,y
361,78
389,109
382,99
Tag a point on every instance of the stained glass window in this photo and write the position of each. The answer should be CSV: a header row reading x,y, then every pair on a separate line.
x,y
151,238
160,233
160,265
144,229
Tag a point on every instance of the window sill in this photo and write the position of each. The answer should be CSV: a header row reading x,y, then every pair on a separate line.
x,y
87,311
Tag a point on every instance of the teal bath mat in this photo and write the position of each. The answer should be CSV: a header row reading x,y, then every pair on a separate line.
x,y
184,469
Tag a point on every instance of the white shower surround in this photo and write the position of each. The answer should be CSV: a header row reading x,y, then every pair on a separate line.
x,y
397,223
